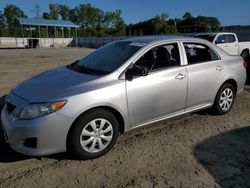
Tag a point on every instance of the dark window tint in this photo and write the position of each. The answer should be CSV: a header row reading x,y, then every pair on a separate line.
x,y
110,57
198,53
231,38
161,57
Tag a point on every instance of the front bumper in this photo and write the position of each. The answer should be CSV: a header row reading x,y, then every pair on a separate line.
x,y
49,133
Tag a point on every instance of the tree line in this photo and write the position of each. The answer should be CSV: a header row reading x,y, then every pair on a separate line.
x,y
95,22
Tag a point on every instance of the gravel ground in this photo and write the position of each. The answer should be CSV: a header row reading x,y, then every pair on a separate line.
x,y
193,150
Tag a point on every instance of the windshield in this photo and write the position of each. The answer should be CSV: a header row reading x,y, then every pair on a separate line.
x,y
206,37
108,58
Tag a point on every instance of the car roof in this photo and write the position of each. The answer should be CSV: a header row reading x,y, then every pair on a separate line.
x,y
214,33
153,39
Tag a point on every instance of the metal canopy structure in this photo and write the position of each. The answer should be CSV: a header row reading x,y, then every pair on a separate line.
x,y
35,22
44,22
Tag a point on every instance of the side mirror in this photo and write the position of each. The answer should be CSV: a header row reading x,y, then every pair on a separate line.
x,y
136,71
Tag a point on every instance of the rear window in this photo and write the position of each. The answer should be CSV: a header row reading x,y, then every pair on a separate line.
x,y
199,53
231,38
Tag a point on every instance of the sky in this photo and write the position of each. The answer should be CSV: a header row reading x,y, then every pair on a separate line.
x,y
229,12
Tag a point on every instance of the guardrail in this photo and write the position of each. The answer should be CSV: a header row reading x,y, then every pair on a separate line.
x,y
18,42
97,42
12,42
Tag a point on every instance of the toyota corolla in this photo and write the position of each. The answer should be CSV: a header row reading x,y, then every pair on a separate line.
x,y
84,106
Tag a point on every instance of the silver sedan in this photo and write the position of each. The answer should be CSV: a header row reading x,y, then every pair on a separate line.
x,y
83,107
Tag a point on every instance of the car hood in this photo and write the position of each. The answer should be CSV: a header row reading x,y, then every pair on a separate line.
x,y
53,84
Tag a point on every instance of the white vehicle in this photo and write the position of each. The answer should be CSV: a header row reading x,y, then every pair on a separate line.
x,y
228,42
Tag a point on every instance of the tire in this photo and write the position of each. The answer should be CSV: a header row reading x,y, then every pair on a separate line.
x,y
224,99
244,54
93,134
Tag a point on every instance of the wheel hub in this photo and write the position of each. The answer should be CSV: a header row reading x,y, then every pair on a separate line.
x,y
96,135
226,99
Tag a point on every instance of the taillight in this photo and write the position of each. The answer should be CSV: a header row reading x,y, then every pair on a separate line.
x,y
245,65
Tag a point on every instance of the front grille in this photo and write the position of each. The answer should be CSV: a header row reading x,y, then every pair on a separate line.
x,y
10,107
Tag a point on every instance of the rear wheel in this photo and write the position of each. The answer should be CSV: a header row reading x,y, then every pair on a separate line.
x,y
224,99
94,134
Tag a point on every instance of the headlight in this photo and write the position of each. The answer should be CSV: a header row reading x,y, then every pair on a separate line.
x,y
32,111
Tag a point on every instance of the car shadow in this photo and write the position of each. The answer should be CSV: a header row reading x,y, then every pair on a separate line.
x,y
227,157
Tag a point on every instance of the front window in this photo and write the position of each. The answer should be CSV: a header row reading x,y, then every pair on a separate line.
x,y
160,57
221,39
108,58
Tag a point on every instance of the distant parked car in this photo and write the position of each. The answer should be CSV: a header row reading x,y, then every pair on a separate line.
x,y
228,42
83,107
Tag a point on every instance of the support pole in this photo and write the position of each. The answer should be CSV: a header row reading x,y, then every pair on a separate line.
x,y
15,37
55,35
31,37
69,37
39,31
47,31
63,35
76,39
39,35
23,35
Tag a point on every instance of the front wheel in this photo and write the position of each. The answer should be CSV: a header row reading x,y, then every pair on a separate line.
x,y
244,54
94,134
224,99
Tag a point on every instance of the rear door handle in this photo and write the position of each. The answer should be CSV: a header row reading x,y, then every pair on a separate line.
x,y
219,68
180,76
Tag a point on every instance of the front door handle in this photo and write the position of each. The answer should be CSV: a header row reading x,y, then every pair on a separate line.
x,y
219,68
180,76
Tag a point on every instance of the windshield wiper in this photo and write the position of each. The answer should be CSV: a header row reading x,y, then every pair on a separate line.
x,y
84,69
79,68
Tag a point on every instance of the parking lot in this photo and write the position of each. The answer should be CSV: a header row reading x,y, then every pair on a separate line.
x,y
193,150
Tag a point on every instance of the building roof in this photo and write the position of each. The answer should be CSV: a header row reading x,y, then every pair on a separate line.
x,y
45,22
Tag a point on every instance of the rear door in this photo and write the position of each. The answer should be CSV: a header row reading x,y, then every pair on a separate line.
x,y
228,42
204,73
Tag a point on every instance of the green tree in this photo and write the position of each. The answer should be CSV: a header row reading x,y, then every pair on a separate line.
x,y
45,15
54,11
160,23
11,12
1,19
207,24
187,16
89,16
73,16
64,12
114,23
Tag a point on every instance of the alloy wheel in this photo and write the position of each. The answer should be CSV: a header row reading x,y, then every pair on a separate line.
x,y
226,99
96,135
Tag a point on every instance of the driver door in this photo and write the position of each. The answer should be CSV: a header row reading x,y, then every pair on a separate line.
x,y
160,93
